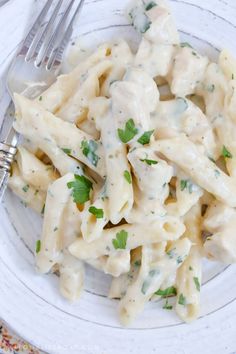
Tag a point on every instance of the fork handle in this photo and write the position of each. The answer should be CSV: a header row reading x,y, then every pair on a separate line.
x,y
7,154
4,176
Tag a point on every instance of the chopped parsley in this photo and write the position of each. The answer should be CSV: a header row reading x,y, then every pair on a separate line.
x,y
145,138
55,229
98,213
226,153
38,246
120,241
185,44
210,88
81,188
171,291
89,149
129,132
185,184
149,162
167,306
128,177
232,76
26,188
150,5
140,20
40,98
190,268
182,300
194,53
197,283
66,151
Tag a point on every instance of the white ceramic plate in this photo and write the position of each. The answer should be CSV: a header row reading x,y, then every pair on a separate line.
x,y
30,303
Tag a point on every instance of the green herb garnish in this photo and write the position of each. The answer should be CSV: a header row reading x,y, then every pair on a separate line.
x,y
38,246
167,306
81,188
150,162
197,283
183,184
40,98
120,241
26,188
185,44
226,153
150,5
128,177
98,213
89,149
145,138
182,300
171,291
66,151
129,132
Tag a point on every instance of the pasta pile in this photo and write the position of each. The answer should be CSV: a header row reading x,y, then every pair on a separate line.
x,y
131,157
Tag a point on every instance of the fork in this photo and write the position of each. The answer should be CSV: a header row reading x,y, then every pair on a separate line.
x,y
38,61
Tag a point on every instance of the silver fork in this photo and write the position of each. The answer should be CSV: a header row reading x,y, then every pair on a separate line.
x,y
38,61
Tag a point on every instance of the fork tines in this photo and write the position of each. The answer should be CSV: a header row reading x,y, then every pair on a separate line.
x,y
49,35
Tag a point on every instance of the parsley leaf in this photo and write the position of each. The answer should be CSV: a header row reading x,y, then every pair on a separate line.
x,y
171,291
38,246
185,44
150,5
186,184
129,132
26,188
81,187
66,151
150,162
167,306
226,153
182,300
120,241
183,184
40,98
96,212
196,281
145,138
89,148
128,177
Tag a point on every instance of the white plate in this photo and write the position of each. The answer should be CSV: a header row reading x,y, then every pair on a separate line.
x,y
30,303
